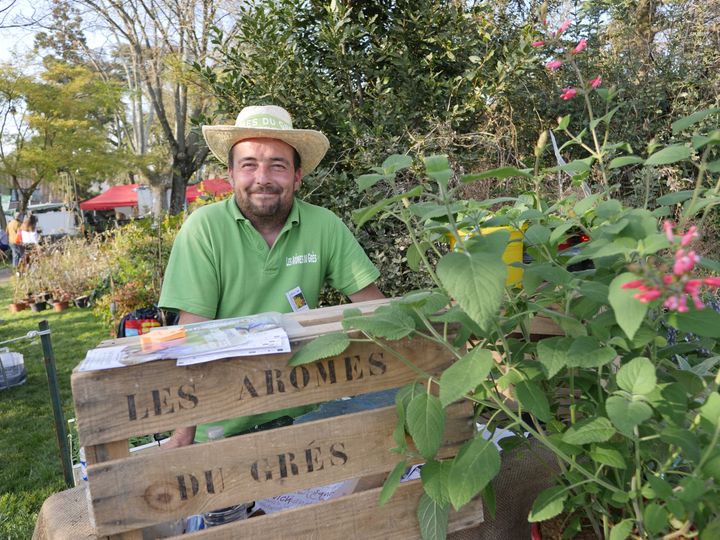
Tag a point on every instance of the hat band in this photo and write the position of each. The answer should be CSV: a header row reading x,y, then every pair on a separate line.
x,y
263,121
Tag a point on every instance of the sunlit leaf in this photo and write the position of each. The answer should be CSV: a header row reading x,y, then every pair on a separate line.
x,y
465,374
426,423
324,346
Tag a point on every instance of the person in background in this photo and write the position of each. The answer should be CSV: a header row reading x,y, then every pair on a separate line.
x,y
263,249
16,247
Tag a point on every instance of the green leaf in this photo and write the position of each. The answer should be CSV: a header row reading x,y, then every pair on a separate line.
x,y
564,122
587,352
583,205
438,168
669,154
387,322
363,215
590,430
414,254
432,518
500,173
684,123
553,354
395,163
533,399
705,322
622,530
626,414
548,504
655,518
711,531
606,454
713,166
676,198
637,376
476,281
629,311
392,482
426,423
402,400
537,234
691,489
434,475
369,180
465,374
684,439
624,160
476,464
710,410
321,347
660,487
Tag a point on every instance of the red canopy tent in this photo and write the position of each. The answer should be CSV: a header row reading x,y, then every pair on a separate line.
x,y
126,195
211,186
114,197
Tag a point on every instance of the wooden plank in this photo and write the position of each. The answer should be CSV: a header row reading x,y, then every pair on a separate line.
x,y
158,487
347,518
157,396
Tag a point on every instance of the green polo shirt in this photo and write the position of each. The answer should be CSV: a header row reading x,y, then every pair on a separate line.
x,y
220,267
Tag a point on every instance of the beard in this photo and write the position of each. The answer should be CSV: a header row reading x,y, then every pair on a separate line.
x,y
265,211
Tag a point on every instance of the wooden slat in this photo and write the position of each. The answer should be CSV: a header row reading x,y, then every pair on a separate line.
x,y
352,517
160,486
157,396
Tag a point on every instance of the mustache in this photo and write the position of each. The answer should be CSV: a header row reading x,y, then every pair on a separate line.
x,y
265,189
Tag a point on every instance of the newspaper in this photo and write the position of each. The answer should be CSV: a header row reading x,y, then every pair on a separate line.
x,y
203,342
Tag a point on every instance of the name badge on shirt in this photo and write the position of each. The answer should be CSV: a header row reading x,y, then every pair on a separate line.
x,y
297,300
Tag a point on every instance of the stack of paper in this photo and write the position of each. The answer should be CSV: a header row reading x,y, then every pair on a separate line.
x,y
202,342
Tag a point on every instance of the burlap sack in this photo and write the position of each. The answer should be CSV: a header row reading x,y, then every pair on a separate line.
x,y
524,473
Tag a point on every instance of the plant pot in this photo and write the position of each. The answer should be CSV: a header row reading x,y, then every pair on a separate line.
x,y
38,306
17,306
61,305
82,301
44,297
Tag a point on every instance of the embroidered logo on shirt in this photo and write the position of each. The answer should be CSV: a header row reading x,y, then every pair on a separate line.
x,y
301,259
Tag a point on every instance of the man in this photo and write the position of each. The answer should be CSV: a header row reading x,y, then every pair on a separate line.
x,y
263,249
12,231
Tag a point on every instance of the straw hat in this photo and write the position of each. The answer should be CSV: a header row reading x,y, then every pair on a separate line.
x,y
272,122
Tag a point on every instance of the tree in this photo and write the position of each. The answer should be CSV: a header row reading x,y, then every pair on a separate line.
x,y
56,124
156,41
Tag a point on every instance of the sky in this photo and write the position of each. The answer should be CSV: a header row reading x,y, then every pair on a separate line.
x,y
15,38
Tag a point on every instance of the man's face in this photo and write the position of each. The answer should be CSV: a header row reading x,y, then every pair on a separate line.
x,y
264,179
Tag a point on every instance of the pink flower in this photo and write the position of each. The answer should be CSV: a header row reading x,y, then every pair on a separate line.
x,y
563,27
712,281
689,236
552,65
636,284
668,228
596,82
651,294
582,44
676,303
538,43
668,279
568,93
684,263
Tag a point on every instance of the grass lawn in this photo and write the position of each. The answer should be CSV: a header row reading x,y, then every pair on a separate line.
x,y
30,468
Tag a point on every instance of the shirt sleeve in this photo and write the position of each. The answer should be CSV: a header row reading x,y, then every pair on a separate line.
x,y
191,281
350,269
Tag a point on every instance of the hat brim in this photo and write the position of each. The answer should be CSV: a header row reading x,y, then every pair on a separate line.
x,y
310,144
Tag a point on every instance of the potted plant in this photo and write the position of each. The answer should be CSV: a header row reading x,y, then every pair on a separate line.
x,y
625,397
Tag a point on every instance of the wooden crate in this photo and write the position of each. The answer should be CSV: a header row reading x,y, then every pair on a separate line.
x,y
129,493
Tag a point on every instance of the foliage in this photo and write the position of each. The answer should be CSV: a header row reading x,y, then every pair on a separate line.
x,y
632,419
68,268
139,253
